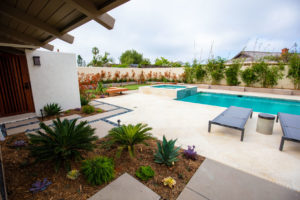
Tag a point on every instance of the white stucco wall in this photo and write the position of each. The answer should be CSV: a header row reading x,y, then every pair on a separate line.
x,y
55,81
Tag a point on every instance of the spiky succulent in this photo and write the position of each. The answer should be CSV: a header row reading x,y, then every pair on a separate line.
x,y
63,143
127,136
166,152
52,109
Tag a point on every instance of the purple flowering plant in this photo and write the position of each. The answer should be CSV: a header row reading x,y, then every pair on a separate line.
x,y
19,143
190,153
40,185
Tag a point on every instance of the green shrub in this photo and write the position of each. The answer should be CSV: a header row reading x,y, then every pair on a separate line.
x,y
84,100
98,170
232,73
248,76
294,70
166,152
267,76
63,143
100,88
145,173
126,136
52,109
88,109
215,69
120,66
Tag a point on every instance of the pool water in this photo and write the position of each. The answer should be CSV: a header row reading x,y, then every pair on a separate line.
x,y
169,86
258,104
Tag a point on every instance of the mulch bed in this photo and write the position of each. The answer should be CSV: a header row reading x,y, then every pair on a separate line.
x,y
21,172
72,112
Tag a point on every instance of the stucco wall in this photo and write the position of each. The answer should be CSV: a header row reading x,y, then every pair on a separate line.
x,y
284,83
55,81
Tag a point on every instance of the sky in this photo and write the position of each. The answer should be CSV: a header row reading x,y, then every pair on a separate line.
x,y
182,30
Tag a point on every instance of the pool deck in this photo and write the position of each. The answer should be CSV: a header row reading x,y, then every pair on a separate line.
x,y
257,155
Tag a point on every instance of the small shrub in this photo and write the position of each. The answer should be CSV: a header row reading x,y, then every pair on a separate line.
x,y
294,70
63,143
88,109
232,73
73,174
190,153
98,170
52,109
169,181
166,153
128,136
100,88
84,100
67,111
145,173
248,76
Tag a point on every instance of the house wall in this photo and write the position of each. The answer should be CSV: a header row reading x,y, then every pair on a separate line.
x,y
55,81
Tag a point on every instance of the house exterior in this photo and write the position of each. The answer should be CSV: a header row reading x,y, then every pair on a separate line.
x,y
249,57
31,78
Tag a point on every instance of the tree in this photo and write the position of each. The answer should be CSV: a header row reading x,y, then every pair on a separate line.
x,y
99,60
79,60
146,61
162,62
131,57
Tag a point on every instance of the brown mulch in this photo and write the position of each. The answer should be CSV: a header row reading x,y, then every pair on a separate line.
x,y
72,112
21,172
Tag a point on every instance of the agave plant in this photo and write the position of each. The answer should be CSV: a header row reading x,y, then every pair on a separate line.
x,y
52,109
64,142
166,152
128,136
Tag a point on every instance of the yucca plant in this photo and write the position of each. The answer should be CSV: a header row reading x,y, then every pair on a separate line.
x,y
126,136
98,170
63,143
52,109
166,152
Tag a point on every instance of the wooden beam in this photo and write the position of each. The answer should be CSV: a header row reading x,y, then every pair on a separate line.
x,y
109,5
88,8
23,17
4,30
25,46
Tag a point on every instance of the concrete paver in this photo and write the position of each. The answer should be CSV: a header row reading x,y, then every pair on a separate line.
x,y
215,181
126,188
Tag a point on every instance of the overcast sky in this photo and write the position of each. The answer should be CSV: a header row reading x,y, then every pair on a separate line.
x,y
181,30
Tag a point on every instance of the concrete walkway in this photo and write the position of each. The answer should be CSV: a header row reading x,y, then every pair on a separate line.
x,y
215,181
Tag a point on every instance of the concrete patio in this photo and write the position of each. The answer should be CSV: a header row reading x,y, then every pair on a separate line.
x,y
257,155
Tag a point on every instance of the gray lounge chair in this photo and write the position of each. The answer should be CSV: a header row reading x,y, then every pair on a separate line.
x,y
233,117
290,125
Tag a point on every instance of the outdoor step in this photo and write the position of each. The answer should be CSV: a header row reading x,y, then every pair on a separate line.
x,y
126,188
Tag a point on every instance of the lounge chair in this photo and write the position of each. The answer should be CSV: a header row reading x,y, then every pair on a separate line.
x,y
290,125
233,117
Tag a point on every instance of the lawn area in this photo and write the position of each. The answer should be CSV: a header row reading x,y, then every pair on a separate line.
x,y
134,87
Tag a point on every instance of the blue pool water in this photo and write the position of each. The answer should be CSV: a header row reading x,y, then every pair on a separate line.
x,y
169,86
258,104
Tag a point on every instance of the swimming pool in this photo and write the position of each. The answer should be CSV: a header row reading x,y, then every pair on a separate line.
x,y
169,86
258,104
